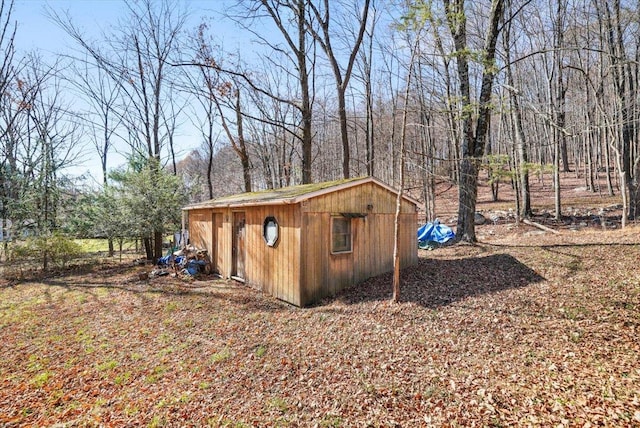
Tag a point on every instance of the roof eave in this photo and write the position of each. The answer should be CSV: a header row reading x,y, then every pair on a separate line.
x,y
300,198
243,204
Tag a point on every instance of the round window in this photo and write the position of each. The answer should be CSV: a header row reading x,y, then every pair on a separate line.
x,y
270,231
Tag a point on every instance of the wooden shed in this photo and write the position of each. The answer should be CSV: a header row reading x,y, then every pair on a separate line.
x,y
303,243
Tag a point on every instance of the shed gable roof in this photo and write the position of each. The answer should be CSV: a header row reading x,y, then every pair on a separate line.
x,y
291,194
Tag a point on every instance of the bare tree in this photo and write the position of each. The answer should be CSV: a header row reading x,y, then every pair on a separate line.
x,y
624,76
103,118
403,139
202,85
522,158
473,140
48,143
290,20
365,67
342,77
137,57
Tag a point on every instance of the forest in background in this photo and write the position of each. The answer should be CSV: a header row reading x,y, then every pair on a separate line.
x,y
414,93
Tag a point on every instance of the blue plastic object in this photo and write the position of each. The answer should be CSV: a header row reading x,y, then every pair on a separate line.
x,y
194,266
434,233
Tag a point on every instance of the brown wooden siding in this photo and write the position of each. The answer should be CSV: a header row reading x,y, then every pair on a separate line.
x,y
275,270
205,230
217,257
201,229
323,273
356,199
300,268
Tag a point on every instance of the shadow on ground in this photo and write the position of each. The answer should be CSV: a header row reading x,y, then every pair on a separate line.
x,y
435,282
125,278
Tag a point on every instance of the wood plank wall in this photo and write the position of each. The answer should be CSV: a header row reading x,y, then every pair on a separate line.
x,y
206,230
275,270
300,268
201,229
324,273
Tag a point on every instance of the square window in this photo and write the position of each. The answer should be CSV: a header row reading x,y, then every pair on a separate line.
x,y
340,235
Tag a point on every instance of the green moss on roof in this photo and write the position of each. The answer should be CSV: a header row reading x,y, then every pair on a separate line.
x,y
276,195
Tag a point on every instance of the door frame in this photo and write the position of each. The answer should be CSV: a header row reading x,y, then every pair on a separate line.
x,y
238,245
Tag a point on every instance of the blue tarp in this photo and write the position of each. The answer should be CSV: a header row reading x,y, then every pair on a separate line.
x,y
195,266
166,260
433,234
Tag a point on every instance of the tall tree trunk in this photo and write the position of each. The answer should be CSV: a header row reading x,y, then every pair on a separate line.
x,y
210,160
305,88
473,144
342,81
520,139
242,147
453,134
237,141
148,248
369,125
403,138
625,91
556,177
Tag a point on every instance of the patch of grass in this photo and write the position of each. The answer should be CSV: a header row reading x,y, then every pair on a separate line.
x,y
226,423
93,245
574,313
107,365
34,363
156,374
166,351
165,338
220,356
85,339
71,362
100,402
56,338
41,378
102,291
130,410
122,378
261,351
171,306
157,422
329,420
278,404
55,397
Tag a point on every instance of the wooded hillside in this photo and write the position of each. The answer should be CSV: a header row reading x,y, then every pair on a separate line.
x,y
323,90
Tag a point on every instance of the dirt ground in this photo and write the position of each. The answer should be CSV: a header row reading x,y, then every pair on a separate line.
x,y
527,328
581,208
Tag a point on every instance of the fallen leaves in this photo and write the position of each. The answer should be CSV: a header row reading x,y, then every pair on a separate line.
x,y
542,334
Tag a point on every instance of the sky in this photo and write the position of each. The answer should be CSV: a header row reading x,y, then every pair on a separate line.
x,y
36,32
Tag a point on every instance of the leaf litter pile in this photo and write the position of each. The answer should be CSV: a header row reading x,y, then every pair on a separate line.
x,y
521,330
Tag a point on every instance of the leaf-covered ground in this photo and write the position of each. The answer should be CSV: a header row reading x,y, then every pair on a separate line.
x,y
527,329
